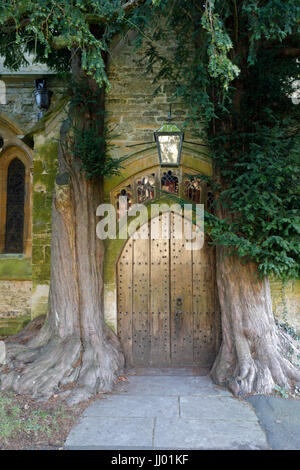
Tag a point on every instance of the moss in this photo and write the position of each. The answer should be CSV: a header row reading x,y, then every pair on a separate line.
x,y
41,214
38,254
42,240
14,269
11,326
39,308
38,167
39,200
41,273
44,181
44,178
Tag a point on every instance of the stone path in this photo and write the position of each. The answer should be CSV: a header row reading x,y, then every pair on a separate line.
x,y
168,409
281,420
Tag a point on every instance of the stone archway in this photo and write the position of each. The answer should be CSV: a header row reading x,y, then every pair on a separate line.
x,y
11,154
167,311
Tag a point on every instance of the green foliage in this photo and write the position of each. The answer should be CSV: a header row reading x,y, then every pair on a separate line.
x,y
230,69
219,44
50,29
90,143
281,391
39,422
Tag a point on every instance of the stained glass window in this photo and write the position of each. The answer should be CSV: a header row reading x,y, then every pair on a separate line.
x,y
170,182
126,194
145,188
192,189
15,207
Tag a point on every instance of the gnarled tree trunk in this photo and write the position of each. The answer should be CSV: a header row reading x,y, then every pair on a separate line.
x,y
74,350
252,357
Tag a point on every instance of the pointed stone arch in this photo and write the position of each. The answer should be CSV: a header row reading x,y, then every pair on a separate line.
x,y
10,155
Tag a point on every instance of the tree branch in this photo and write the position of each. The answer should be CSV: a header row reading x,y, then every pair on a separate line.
x,y
60,42
127,7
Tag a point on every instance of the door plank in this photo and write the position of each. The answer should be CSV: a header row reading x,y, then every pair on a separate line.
x,y
124,292
140,305
159,298
181,297
203,306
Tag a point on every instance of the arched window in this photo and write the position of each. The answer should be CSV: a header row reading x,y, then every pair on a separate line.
x,y
15,202
15,210
2,92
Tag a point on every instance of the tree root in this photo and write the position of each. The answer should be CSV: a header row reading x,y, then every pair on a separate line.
x,y
254,355
261,371
48,365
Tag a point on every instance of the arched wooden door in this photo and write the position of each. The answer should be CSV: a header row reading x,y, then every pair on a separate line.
x,y
167,309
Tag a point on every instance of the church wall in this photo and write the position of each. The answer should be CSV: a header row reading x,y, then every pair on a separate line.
x,y
133,114
24,279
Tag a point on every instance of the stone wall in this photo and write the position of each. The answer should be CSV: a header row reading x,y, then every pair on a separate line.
x,y
286,303
44,173
20,105
134,113
24,280
15,305
136,106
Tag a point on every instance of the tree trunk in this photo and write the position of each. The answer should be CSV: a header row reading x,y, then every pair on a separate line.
x,y
75,353
253,353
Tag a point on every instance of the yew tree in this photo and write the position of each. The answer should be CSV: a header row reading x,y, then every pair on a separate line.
x,y
75,352
234,64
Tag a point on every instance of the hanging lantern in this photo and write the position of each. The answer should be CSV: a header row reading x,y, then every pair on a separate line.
x,y
42,96
169,140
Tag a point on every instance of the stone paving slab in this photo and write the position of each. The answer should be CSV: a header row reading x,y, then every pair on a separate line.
x,y
227,409
187,433
168,412
134,406
281,420
172,386
111,432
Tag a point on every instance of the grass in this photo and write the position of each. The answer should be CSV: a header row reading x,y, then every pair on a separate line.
x,y
28,424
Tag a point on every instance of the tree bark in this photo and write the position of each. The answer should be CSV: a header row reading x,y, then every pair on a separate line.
x,y
253,354
75,353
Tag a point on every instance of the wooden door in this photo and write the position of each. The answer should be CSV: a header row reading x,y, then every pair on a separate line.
x,y
167,309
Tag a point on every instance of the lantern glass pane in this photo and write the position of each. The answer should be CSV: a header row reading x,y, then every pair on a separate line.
x,y
169,148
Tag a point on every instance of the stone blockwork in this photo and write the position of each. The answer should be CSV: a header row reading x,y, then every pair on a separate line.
x,y
28,277
15,305
286,303
20,104
44,173
136,106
